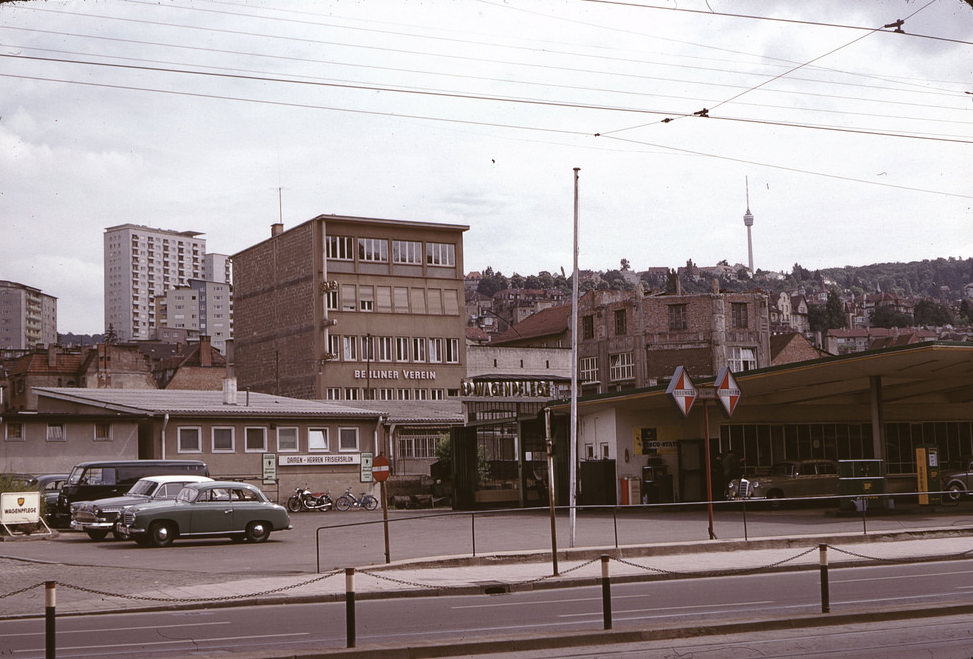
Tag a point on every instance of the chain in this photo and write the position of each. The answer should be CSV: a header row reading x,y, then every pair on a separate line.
x,y
378,575
916,559
201,599
416,584
22,590
717,573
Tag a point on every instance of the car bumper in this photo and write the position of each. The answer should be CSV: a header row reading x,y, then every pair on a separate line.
x,y
91,526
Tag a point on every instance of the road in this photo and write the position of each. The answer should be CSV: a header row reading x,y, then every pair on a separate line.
x,y
679,603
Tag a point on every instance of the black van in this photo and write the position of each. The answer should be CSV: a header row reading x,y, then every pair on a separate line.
x,y
109,478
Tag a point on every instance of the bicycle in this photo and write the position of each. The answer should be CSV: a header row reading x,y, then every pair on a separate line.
x,y
348,500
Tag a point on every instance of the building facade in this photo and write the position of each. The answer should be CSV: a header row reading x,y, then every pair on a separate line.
x,y
28,317
140,264
349,308
202,308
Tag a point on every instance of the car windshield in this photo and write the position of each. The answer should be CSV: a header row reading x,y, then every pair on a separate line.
x,y
75,476
783,469
144,487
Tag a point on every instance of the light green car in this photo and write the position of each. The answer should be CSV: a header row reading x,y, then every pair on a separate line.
x,y
239,511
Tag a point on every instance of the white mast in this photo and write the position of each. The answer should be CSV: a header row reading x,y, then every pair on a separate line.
x,y
573,479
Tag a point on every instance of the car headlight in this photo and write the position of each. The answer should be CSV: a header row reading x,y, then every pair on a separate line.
x,y
755,484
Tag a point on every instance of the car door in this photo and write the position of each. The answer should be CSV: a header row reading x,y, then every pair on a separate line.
x,y
212,512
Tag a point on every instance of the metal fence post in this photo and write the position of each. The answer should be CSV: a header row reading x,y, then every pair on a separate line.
x,y
825,595
606,592
50,597
350,605
473,531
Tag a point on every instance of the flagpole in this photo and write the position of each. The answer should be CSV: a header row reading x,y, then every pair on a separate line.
x,y
573,480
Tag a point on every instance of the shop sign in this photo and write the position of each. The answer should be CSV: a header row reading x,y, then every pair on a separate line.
x,y
324,459
392,374
508,388
270,468
20,507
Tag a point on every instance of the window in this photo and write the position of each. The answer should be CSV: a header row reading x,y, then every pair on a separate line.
x,y
421,394
190,440
401,348
339,248
417,297
589,369
620,329
384,348
255,440
352,393
349,348
102,432
317,439
418,349
741,359
333,393
407,251
347,439
404,394
348,297
368,348
677,316
287,440
223,441
375,250
450,302
738,314
383,299
435,351
331,300
55,432
452,351
437,394
434,300
588,327
440,254
15,432
386,394
334,345
400,297
417,444
621,367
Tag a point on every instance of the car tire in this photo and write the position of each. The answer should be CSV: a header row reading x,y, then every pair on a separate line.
x,y
258,532
161,534
954,492
97,534
773,497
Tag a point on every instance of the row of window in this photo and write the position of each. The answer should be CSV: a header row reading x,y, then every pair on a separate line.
x,y
621,366
393,299
402,349
101,432
376,250
388,393
677,317
255,439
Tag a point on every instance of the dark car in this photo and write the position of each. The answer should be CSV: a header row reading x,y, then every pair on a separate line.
x,y
97,518
49,485
238,511
956,484
789,479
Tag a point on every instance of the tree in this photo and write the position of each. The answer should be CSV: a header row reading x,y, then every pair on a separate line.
x,y
927,312
625,265
887,316
835,311
491,283
516,281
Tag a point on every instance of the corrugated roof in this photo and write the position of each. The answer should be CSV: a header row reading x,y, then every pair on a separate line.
x,y
192,402
449,412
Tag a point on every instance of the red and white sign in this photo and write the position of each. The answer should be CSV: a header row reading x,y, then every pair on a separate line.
x,y
727,390
682,390
380,468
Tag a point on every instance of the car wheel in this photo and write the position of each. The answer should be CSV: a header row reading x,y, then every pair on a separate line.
x,y
258,531
773,497
954,492
161,534
97,534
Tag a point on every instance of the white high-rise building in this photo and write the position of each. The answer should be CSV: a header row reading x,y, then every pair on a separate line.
x,y
218,267
28,317
201,308
140,264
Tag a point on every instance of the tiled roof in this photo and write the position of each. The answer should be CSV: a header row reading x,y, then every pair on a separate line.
x,y
192,402
449,412
553,320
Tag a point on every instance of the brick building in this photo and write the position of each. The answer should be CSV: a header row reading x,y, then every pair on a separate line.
x,y
350,308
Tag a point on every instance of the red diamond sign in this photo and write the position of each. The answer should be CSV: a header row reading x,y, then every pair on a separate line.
x,y
682,390
727,390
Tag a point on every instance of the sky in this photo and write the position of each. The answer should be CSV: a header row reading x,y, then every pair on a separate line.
x,y
850,142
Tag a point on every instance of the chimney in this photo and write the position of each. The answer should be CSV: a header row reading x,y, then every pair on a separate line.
x,y
716,287
229,391
51,355
205,352
276,229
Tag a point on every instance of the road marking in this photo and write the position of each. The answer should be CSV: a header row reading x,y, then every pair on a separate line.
x,y
902,576
118,629
676,608
193,641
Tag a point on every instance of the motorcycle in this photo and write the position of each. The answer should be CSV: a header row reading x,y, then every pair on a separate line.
x,y
303,499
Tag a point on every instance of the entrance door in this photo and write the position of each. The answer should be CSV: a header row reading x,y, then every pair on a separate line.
x,y
692,476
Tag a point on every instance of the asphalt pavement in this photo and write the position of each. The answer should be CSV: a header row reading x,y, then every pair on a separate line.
x,y
91,578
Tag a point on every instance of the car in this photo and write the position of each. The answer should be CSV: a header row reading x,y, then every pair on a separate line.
x,y
49,485
957,483
15,482
239,511
98,517
788,479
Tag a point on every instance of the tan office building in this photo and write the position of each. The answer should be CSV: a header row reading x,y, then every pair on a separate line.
x,y
349,308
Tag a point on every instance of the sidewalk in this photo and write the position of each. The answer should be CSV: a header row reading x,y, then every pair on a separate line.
x,y
87,590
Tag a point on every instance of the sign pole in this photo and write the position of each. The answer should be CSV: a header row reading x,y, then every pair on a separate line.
x,y
380,471
709,470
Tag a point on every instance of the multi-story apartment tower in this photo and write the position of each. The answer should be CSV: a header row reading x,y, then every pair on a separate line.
x,y
28,317
201,308
350,308
140,264
218,267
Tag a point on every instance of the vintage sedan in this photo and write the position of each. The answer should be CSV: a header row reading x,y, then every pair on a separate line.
x,y
239,511
98,517
788,479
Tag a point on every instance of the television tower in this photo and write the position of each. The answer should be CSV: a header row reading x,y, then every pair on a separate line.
x,y
748,220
